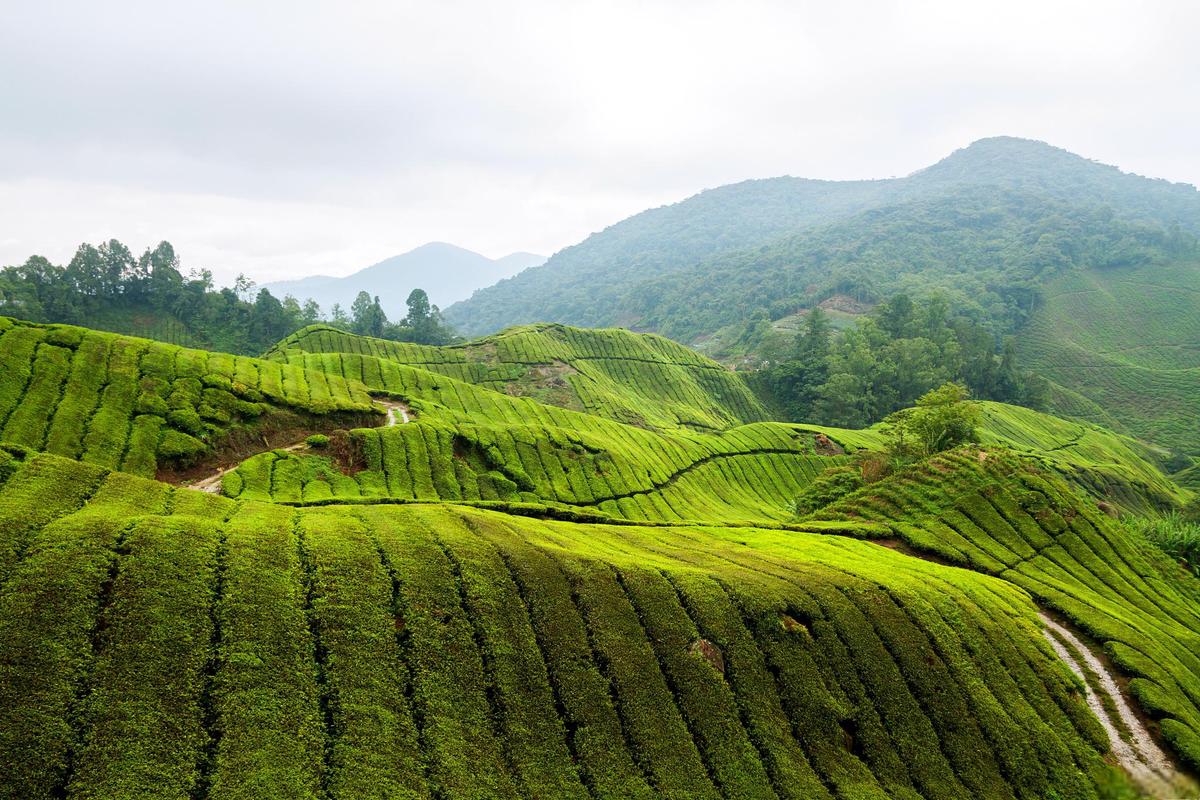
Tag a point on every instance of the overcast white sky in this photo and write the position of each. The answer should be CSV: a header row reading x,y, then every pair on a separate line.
x,y
289,138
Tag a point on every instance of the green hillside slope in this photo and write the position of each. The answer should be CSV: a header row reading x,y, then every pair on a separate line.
x,y
727,229
201,647
640,380
510,589
992,512
139,405
1128,341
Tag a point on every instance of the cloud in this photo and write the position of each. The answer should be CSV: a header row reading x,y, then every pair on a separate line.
x,y
278,138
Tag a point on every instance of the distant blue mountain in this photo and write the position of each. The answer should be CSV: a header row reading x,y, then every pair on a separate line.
x,y
446,272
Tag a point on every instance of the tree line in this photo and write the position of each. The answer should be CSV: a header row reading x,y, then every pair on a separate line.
x,y
107,287
888,360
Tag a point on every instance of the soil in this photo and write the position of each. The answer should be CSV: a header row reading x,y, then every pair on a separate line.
x,y
398,413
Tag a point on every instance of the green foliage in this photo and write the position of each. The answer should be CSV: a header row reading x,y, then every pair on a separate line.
x,y
887,361
1114,344
942,419
318,440
831,484
1175,534
131,403
527,589
987,226
446,651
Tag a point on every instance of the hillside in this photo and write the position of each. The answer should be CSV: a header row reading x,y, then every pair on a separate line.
x,y
447,273
1122,345
141,406
726,230
511,589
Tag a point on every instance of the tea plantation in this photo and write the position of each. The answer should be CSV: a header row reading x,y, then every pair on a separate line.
x,y
569,568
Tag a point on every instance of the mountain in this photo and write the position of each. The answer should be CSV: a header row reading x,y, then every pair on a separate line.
x,y
558,562
447,273
617,276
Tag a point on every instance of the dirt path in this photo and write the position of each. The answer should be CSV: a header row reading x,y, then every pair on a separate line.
x,y
397,414
1140,756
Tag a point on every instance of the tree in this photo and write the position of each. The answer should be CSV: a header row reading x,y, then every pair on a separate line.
x,y
243,286
338,318
376,320
423,323
360,313
311,312
942,419
118,266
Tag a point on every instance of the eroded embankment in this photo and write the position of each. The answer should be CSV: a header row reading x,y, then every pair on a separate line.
x,y
397,414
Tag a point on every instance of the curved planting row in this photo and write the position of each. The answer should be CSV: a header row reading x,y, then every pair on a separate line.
x,y
996,513
162,642
634,378
129,404
734,477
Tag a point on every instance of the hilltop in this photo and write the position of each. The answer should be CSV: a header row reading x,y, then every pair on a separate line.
x,y
1026,239
727,228
559,562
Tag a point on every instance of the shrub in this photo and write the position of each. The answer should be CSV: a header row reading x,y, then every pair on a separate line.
x,y
64,337
941,419
179,447
148,403
187,420
830,486
317,440
1174,535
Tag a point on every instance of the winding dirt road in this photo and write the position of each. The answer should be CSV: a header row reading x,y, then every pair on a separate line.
x,y
1140,755
397,414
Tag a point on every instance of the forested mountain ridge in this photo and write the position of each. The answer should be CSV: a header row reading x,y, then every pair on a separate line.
x,y
588,283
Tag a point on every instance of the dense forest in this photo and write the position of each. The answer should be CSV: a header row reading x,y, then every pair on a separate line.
x,y
717,257
107,287
887,361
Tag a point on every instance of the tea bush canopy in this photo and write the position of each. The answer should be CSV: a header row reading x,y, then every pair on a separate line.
x,y
557,562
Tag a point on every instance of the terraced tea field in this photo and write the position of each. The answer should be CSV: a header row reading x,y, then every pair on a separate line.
x,y
534,575
129,404
638,379
1123,344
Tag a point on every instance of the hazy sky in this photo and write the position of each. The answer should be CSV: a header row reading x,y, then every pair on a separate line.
x,y
288,138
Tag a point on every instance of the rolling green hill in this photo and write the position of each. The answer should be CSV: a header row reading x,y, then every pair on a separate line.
x,y
1125,347
534,583
1094,272
139,405
647,381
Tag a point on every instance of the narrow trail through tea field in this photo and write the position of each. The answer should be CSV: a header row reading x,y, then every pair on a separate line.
x,y
1136,750
397,414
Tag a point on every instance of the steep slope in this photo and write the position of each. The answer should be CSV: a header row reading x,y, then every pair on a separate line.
x,y
994,513
139,405
1126,340
447,273
204,648
591,282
